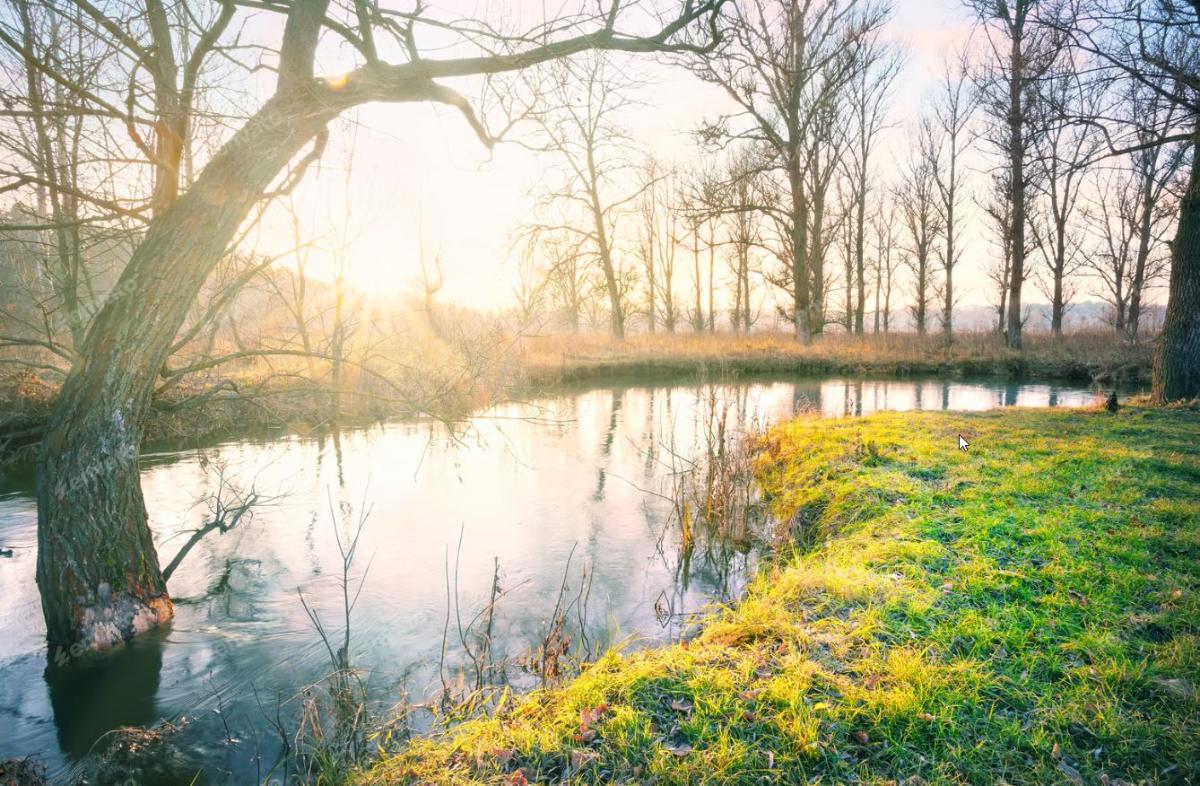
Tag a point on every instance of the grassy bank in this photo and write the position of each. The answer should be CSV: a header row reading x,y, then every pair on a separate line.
x,y
1079,356
1026,612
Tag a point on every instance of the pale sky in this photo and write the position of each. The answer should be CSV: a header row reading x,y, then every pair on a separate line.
x,y
419,168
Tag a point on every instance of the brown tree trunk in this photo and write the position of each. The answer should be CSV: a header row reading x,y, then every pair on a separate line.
x,y
97,568
878,284
848,316
816,267
1016,151
860,231
1145,230
801,318
651,314
712,265
698,314
1176,374
746,290
604,247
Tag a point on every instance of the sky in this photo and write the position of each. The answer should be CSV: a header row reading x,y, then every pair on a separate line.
x,y
419,177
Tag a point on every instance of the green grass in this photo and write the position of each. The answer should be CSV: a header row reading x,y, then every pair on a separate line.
x,y
1025,613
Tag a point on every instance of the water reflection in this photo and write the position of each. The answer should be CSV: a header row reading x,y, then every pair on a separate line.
x,y
127,683
525,485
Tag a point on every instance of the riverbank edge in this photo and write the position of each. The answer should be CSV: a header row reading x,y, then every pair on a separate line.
x,y
1087,357
197,414
1014,368
1026,611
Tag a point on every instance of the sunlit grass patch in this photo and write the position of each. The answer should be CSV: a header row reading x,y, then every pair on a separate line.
x,y
1025,612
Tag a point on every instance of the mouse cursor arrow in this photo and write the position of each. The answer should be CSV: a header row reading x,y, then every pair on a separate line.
x,y
963,444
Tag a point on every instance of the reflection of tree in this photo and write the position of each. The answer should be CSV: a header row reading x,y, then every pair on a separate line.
x,y
802,401
712,522
606,446
90,697
651,444
227,597
335,436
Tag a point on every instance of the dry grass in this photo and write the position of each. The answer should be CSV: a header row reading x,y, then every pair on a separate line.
x,y
1083,356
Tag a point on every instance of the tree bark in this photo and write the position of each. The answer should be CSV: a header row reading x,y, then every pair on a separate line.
x,y
1176,374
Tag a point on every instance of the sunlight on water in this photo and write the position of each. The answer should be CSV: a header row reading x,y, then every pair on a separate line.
x,y
583,476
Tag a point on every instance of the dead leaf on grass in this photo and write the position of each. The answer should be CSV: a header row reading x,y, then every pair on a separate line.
x,y
680,750
1070,772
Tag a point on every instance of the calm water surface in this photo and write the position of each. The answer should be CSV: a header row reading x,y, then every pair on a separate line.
x,y
550,488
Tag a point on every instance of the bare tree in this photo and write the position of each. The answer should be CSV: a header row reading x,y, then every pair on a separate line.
x,y
846,251
738,205
866,101
997,206
887,261
1021,53
1129,218
650,216
567,278
1114,257
781,63
71,221
695,205
583,133
1157,168
668,247
1110,257
98,570
947,136
918,202
695,223
530,291
295,297
1062,150
1156,44
826,146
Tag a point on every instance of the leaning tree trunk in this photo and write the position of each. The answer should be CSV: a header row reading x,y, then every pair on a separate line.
x,y
97,569
1176,372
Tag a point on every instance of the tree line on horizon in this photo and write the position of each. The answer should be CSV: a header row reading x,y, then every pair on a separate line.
x,y
791,210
